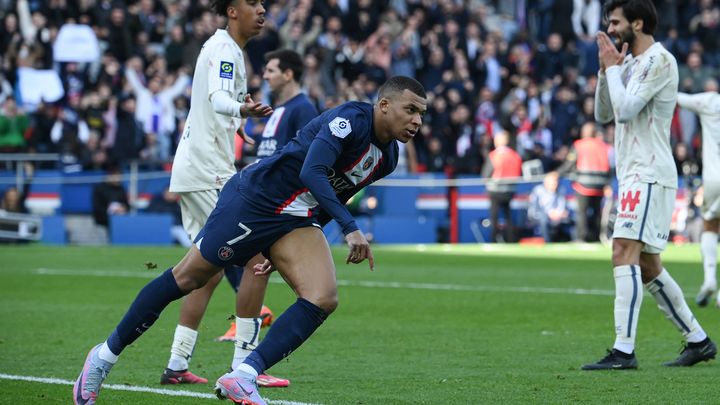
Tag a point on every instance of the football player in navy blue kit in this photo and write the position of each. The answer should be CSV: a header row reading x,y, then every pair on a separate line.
x,y
292,111
272,207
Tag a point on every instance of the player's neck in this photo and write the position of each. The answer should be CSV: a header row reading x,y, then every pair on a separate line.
x,y
288,91
236,36
642,43
382,133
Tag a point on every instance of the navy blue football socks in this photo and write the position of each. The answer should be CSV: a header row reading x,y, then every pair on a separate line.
x,y
286,334
144,311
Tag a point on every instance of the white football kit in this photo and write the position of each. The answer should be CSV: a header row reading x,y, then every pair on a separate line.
x,y
641,96
205,156
707,107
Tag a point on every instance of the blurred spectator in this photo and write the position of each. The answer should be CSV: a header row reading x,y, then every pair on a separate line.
x,y
154,109
13,201
586,19
129,137
693,74
109,198
118,35
564,110
706,28
503,166
292,33
590,163
13,124
41,124
687,167
551,59
548,212
167,203
70,133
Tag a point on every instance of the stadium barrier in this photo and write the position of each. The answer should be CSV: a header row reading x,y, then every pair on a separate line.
x,y
410,208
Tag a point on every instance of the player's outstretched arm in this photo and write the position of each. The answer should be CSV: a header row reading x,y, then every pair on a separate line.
x,y
700,103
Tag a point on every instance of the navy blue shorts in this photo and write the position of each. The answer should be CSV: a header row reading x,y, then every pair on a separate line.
x,y
234,232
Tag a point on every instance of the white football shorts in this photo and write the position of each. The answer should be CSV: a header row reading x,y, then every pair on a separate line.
x,y
196,207
711,201
644,214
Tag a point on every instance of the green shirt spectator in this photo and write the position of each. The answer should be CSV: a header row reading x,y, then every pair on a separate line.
x,y
13,124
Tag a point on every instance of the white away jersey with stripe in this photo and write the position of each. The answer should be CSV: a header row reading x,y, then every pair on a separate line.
x,y
707,107
642,145
205,157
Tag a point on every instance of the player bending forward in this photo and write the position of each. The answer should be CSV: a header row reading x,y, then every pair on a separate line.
x,y
272,207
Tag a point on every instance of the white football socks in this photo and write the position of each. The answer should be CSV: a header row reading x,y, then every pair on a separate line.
x,y
708,248
628,298
671,302
105,354
182,348
247,336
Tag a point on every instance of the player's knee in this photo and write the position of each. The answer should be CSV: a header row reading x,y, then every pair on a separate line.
x,y
192,279
328,303
624,253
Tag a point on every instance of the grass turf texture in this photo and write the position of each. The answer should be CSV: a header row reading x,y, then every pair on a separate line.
x,y
464,324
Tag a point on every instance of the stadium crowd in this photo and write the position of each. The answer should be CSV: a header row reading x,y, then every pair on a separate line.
x,y
525,67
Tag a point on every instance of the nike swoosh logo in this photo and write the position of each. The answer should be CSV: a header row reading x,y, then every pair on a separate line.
x,y
246,392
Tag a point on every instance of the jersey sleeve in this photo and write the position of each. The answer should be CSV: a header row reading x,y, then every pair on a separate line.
x,y
342,129
314,174
653,74
603,106
326,147
223,68
698,103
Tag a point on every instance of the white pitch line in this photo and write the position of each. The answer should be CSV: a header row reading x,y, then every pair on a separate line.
x,y
134,388
370,284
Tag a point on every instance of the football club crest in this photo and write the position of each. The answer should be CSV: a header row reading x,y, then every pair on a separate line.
x,y
225,253
226,70
368,163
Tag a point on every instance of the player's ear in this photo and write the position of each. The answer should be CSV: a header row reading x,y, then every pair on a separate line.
x,y
232,11
637,25
384,105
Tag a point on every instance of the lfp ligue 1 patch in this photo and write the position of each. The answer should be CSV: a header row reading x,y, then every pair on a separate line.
x,y
340,127
226,70
225,253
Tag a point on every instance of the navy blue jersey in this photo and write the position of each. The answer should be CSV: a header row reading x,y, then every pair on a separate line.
x,y
284,123
331,159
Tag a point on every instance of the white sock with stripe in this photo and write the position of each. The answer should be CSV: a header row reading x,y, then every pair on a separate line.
x,y
671,302
247,336
708,248
628,298
182,348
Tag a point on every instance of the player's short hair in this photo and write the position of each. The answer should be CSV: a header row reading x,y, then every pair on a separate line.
x,y
220,6
397,84
635,10
288,59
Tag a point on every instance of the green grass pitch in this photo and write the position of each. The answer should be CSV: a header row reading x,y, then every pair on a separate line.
x,y
436,324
